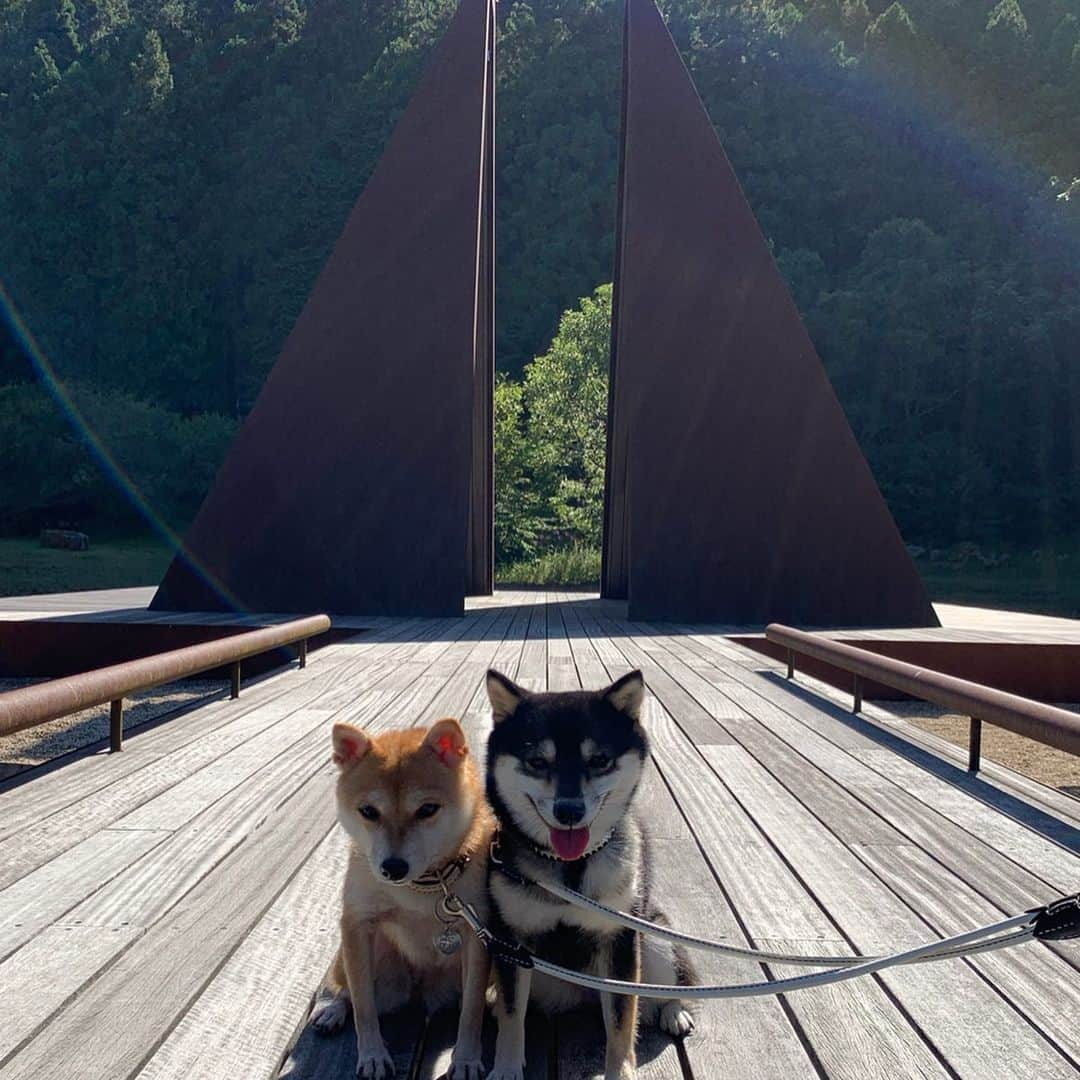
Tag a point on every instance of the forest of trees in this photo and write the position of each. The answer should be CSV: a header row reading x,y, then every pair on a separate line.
x,y
174,172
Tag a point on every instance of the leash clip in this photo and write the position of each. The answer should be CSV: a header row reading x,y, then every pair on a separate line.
x,y
1058,921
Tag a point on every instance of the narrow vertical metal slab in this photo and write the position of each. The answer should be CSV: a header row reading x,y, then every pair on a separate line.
x,y
361,480
736,490
480,561
614,568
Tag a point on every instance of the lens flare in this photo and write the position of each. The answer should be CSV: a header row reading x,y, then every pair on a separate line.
x,y
112,468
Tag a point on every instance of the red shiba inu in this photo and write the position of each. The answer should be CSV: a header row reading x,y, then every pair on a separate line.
x,y
413,805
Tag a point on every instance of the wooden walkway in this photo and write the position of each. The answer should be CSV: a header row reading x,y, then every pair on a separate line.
x,y
168,912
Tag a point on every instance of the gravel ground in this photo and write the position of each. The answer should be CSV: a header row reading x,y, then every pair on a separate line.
x,y
25,749
1055,768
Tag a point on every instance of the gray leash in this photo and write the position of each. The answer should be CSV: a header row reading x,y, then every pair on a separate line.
x,y
780,986
1055,921
634,922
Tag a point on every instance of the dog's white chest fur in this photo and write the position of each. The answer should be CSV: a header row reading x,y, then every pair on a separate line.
x,y
612,876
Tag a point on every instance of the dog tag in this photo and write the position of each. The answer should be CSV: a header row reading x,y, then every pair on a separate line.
x,y
448,942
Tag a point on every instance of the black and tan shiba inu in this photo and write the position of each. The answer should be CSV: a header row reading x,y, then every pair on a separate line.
x,y
562,769
413,806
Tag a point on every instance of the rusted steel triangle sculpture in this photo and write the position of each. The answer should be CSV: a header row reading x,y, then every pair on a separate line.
x,y
736,491
362,479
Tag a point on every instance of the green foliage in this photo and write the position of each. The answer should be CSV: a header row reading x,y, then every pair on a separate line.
x,y
892,30
566,398
44,74
550,448
173,174
1008,18
27,568
51,476
516,503
151,75
577,565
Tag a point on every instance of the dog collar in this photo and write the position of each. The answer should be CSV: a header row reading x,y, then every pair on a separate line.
x,y
547,853
440,880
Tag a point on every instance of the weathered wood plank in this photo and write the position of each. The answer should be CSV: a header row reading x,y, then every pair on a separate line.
x,y
778,738
984,821
899,733
61,785
150,887
44,791
859,826
315,1056
43,896
246,1016
1021,974
729,1031
38,842
154,885
35,984
156,958
180,803
122,1015
532,671
772,904
969,1023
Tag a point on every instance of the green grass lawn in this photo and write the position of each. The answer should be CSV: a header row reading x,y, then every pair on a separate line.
x,y
1047,583
578,566
26,567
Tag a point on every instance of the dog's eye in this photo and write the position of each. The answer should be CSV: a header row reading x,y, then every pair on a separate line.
x,y
598,763
369,813
429,809
537,763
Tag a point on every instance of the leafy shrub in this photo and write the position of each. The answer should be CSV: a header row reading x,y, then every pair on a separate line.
x,y
551,441
577,565
154,460
516,502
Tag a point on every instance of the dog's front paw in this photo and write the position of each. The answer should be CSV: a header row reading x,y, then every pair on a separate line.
x,y
465,1067
373,1062
330,1015
676,1019
507,1072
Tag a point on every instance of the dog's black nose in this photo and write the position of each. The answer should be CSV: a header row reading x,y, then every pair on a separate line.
x,y
394,869
569,811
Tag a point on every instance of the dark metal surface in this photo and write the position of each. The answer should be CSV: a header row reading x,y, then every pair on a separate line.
x,y
736,491
361,480
1033,719
480,560
37,704
116,725
974,744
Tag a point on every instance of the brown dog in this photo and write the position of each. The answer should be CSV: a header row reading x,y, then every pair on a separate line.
x,y
413,804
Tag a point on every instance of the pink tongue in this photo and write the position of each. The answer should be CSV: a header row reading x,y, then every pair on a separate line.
x,y
569,844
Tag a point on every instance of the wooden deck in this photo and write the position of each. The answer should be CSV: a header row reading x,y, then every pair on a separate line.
x,y
168,912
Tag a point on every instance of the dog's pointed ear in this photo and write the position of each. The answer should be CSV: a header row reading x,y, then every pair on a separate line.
x,y
447,741
627,694
504,695
350,744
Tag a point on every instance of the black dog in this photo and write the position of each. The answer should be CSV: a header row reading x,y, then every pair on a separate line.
x,y
562,769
